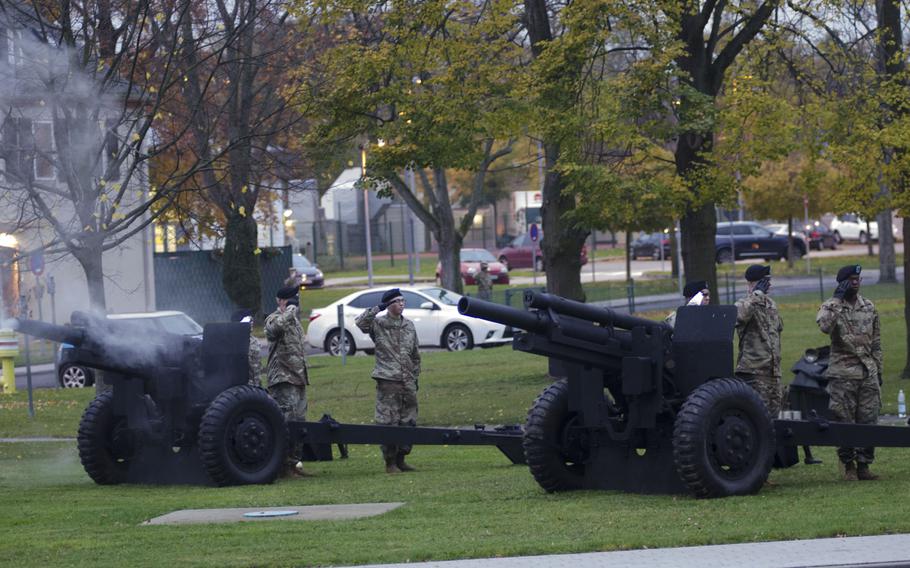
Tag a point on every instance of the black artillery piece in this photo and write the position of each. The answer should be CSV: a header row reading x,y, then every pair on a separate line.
x,y
180,410
649,409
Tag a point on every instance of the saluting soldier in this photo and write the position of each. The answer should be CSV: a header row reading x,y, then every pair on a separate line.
x,y
287,365
396,372
855,366
484,282
696,293
759,326
254,354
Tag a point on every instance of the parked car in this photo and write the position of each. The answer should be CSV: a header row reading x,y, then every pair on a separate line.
x,y
649,244
852,227
71,375
311,276
522,252
747,239
470,265
820,236
781,229
433,310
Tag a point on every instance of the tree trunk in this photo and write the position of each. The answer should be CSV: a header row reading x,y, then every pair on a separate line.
x,y
886,258
674,255
90,258
240,273
699,227
561,244
906,237
791,252
629,254
449,255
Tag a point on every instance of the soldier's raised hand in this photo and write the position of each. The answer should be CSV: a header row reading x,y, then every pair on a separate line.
x,y
841,289
382,305
763,285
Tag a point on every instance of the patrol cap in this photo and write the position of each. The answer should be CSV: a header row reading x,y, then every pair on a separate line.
x,y
694,287
756,272
241,315
848,271
391,295
288,292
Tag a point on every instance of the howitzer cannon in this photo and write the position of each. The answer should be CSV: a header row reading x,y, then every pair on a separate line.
x,y
647,409
180,409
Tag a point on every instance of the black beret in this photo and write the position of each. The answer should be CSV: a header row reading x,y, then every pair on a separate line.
x,y
848,271
288,292
694,287
391,295
757,271
240,314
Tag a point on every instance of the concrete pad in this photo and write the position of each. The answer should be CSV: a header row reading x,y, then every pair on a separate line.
x,y
301,513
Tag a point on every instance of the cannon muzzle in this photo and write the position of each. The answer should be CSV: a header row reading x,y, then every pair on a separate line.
x,y
49,331
490,311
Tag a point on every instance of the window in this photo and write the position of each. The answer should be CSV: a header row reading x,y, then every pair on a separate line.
x,y
111,151
367,300
742,230
43,133
412,300
723,229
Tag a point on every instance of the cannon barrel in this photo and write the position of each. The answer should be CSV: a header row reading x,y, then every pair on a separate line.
x,y
528,321
603,316
44,330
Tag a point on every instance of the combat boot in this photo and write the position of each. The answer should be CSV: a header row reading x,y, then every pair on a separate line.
x,y
849,470
863,473
401,465
390,466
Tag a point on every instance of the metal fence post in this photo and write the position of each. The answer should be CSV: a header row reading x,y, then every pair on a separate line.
x,y
821,286
338,229
343,337
630,293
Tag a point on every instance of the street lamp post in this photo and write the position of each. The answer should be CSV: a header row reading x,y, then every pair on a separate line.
x,y
366,214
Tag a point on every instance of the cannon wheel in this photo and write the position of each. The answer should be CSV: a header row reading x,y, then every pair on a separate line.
x,y
554,451
105,445
243,437
723,440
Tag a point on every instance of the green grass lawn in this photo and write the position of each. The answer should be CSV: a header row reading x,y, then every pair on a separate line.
x,y
462,503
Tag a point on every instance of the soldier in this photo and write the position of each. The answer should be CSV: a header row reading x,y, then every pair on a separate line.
x,y
287,366
484,282
855,367
696,293
758,325
396,371
255,351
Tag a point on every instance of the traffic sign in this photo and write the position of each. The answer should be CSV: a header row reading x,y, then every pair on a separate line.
x,y
534,232
36,263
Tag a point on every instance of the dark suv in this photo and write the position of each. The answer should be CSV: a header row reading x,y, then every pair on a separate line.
x,y
746,239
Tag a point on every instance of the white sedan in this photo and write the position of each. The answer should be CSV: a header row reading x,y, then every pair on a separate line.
x,y
432,309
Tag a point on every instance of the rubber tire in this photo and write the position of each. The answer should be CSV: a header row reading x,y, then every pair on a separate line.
x,y
445,341
95,442
863,238
538,264
544,430
837,238
240,407
504,261
723,256
718,404
334,335
77,374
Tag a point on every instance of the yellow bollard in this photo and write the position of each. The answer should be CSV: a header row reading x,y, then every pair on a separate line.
x,y
9,348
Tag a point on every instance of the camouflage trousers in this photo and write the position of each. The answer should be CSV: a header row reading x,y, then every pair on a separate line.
x,y
396,405
293,403
855,402
768,388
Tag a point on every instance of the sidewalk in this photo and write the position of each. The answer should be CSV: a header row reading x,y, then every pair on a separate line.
x,y
866,551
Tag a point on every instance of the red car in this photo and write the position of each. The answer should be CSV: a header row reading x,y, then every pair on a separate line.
x,y
470,265
522,252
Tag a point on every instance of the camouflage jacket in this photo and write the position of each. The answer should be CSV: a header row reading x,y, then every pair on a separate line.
x,y
484,285
255,357
855,330
287,363
759,325
397,353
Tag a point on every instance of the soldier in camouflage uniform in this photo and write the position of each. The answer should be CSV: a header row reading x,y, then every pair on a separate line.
x,y
759,326
855,367
690,291
254,354
484,282
287,366
396,371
